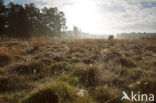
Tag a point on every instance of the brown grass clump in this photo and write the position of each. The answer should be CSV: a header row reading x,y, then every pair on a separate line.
x,y
120,82
57,92
12,83
127,62
136,73
58,58
111,56
33,49
106,95
73,80
5,58
4,99
148,44
59,68
154,63
145,86
76,49
90,76
118,58
25,69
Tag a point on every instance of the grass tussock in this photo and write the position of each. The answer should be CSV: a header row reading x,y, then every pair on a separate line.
x,y
90,76
26,69
60,68
118,58
71,79
146,85
127,62
5,58
12,83
104,94
57,92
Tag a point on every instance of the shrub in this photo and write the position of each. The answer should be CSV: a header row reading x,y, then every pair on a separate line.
x,y
111,37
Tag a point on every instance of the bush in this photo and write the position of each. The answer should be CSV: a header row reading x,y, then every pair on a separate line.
x,y
111,37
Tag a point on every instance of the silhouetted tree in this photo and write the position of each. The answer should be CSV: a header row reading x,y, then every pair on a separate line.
x,y
34,17
24,21
111,37
18,23
2,19
53,19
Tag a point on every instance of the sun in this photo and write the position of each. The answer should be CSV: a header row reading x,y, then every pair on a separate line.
x,y
84,14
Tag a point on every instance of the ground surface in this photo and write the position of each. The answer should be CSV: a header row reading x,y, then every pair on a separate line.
x,y
75,71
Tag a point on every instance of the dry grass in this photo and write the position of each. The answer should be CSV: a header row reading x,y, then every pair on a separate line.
x,y
104,94
13,83
146,85
75,71
5,58
90,76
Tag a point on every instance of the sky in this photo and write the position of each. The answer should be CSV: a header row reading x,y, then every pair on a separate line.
x,y
104,16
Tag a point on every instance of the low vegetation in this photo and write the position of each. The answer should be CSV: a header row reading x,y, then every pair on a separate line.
x,y
75,71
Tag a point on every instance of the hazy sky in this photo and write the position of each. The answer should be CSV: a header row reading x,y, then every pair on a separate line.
x,y
105,16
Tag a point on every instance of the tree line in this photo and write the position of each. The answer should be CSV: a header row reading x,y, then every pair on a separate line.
x,y
134,35
25,21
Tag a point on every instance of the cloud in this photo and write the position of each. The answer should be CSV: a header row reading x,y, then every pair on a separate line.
x,y
130,15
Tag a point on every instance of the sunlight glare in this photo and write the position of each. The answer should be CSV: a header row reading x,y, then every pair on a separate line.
x,y
84,14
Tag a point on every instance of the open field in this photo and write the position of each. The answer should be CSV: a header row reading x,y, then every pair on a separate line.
x,y
75,71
